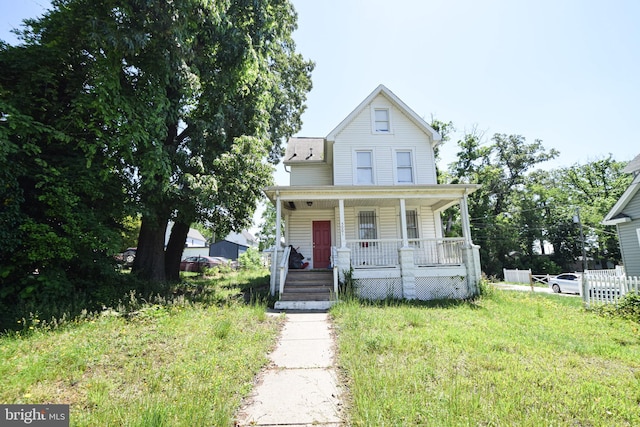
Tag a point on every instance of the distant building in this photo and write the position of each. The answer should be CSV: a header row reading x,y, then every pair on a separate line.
x,y
234,245
194,237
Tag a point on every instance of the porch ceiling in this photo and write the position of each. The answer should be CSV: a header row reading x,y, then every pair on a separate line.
x,y
439,196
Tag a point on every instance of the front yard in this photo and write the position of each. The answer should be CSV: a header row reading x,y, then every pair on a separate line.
x,y
513,358
510,358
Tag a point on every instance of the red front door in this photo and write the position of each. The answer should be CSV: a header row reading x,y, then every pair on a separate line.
x,y
321,244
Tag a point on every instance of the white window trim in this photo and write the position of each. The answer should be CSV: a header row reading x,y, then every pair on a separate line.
x,y
638,233
373,120
355,166
413,165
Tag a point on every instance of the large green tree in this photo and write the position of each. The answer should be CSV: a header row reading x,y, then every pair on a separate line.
x,y
62,194
501,166
591,190
195,97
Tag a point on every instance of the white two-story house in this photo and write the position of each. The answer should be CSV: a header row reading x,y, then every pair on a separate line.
x,y
364,202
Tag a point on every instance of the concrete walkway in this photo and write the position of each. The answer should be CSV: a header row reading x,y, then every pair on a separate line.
x,y
300,386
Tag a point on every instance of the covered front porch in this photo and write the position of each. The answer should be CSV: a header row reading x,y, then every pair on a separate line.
x,y
400,253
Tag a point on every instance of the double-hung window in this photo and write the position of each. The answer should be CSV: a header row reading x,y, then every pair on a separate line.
x,y
364,167
404,167
381,122
367,227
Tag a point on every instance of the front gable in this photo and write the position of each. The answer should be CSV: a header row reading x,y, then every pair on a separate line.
x,y
383,142
382,98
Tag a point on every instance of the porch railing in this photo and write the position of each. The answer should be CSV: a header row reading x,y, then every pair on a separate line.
x,y
384,252
445,251
284,268
378,252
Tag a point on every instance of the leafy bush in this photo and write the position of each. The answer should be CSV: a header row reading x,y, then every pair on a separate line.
x,y
629,306
250,260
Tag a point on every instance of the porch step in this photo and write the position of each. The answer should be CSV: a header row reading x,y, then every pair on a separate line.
x,y
307,290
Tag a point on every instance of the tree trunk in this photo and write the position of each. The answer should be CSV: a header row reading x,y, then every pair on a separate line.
x,y
149,262
175,247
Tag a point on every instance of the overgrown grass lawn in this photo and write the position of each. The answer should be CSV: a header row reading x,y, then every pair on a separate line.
x,y
512,358
178,364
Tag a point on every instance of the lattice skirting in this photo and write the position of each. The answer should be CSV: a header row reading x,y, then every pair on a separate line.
x,y
445,287
379,288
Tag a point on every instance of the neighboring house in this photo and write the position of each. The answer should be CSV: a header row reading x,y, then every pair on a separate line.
x,y
625,215
243,238
194,237
195,243
366,198
234,245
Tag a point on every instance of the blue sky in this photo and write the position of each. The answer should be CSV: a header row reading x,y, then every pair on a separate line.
x,y
563,71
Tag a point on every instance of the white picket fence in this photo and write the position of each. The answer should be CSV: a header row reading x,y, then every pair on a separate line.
x,y
604,289
517,276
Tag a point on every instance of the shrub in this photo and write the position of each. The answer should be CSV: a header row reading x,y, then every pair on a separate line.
x,y
250,260
629,306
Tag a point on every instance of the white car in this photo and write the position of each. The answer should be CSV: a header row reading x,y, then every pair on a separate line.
x,y
566,282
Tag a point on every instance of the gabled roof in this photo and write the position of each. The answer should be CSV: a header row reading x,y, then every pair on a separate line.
x,y
633,165
196,235
417,120
615,215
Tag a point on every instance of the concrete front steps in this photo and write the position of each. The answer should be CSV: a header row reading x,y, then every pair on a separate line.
x,y
307,290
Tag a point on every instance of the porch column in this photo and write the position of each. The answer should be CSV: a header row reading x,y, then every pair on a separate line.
x,y
276,247
343,253
343,233
470,252
403,224
466,224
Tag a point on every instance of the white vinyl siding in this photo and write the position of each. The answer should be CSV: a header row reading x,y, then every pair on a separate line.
x,y
387,220
300,230
310,174
404,135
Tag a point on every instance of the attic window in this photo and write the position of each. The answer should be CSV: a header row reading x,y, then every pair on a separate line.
x,y
381,120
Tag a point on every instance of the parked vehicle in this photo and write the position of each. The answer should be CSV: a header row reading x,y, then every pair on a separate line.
x,y
566,283
126,258
199,263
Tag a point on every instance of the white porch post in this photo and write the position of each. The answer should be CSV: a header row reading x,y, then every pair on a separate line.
x,y
343,232
470,252
403,224
276,247
343,252
405,255
466,224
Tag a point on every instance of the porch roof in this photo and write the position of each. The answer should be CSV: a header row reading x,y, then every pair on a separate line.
x,y
438,196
